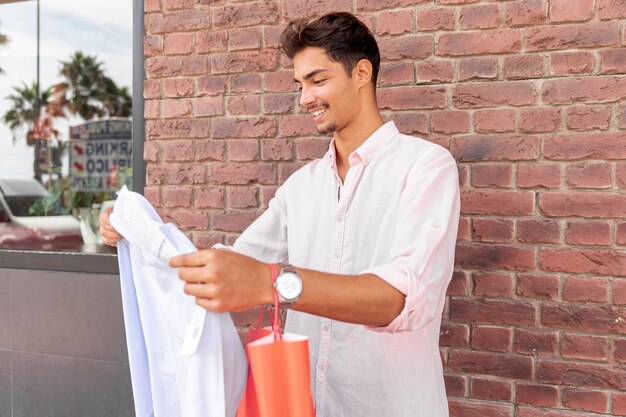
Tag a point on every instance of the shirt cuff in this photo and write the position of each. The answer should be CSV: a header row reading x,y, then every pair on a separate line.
x,y
397,278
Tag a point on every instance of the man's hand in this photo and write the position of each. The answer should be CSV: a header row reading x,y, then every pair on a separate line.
x,y
107,231
222,280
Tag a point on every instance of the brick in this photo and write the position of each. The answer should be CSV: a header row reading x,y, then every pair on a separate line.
x,y
613,61
175,174
151,89
463,176
622,116
494,148
176,66
525,12
492,338
454,335
243,150
589,175
178,43
243,127
178,150
296,125
512,203
492,230
541,287
603,262
244,61
151,151
543,412
537,395
540,120
589,90
611,9
250,14
311,148
395,22
153,195
267,193
242,197
567,63
493,94
492,284
586,289
152,45
582,35
420,97
538,231
244,38
494,41
210,150
464,408
535,175
288,168
435,19
536,342
434,71
187,219
208,106
396,74
276,150
498,175
620,236
619,404
597,319
151,109
570,10
232,221
478,68
588,233
245,83
177,128
176,108
456,1
297,10
458,284
585,146
578,346
515,313
490,389
523,67
370,5
406,47
278,103
450,121
177,197
241,174
483,16
212,85
178,87
212,41
588,117
620,350
619,291
151,6
581,374
244,104
600,204
496,120
456,385
181,20
279,81
210,197
487,363
594,401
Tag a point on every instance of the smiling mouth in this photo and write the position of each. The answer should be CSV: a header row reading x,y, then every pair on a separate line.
x,y
319,111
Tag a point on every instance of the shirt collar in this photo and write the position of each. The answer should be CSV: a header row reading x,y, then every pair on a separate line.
x,y
368,149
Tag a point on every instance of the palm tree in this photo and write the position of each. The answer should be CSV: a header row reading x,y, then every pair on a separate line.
x,y
4,39
20,118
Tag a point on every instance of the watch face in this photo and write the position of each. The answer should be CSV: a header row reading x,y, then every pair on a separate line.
x,y
289,286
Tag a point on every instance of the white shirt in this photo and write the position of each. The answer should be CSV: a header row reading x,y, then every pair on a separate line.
x,y
396,217
184,361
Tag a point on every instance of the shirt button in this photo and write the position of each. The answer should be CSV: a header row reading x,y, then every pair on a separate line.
x,y
326,327
336,255
322,366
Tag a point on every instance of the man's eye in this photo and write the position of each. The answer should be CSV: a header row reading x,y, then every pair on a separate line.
x,y
319,82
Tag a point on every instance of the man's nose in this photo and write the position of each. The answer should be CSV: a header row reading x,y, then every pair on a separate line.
x,y
306,97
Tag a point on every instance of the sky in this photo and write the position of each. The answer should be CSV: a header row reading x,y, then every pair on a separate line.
x,y
96,27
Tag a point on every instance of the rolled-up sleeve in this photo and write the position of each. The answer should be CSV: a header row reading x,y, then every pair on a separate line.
x,y
422,254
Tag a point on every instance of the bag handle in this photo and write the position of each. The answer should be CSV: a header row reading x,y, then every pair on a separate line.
x,y
276,329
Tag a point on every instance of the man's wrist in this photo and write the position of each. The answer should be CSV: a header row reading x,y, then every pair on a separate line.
x,y
268,286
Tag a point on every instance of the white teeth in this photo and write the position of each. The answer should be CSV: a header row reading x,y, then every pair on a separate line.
x,y
318,112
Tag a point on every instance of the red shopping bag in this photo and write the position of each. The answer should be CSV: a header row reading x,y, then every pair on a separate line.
x,y
279,374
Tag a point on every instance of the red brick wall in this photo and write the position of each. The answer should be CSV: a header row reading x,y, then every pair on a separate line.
x,y
530,97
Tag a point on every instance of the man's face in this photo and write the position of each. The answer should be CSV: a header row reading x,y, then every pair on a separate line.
x,y
328,93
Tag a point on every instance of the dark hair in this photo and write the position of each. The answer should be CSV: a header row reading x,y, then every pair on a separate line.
x,y
344,38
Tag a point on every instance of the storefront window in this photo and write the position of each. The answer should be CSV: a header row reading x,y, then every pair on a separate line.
x,y
66,69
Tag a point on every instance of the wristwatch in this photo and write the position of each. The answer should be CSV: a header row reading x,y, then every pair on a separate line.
x,y
288,285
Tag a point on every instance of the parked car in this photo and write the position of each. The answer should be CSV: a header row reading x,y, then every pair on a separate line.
x,y
29,221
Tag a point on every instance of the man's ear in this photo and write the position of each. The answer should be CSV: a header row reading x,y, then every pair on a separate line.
x,y
362,72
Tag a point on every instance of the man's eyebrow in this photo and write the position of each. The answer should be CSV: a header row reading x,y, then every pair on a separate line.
x,y
311,74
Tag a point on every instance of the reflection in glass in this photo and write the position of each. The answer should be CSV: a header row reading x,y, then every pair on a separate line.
x,y
67,140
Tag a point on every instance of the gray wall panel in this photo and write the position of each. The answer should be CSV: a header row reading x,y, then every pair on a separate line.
x,y
5,383
57,386
5,310
69,314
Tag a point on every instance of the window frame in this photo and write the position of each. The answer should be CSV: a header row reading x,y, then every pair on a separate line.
x,y
101,263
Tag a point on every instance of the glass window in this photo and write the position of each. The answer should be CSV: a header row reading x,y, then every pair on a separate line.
x,y
65,119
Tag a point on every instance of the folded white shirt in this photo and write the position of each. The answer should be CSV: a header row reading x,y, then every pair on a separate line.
x,y
184,361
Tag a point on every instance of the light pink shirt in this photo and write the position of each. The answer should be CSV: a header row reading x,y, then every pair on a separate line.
x,y
395,216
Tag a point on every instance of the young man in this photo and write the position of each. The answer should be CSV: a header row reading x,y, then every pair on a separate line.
x,y
370,230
